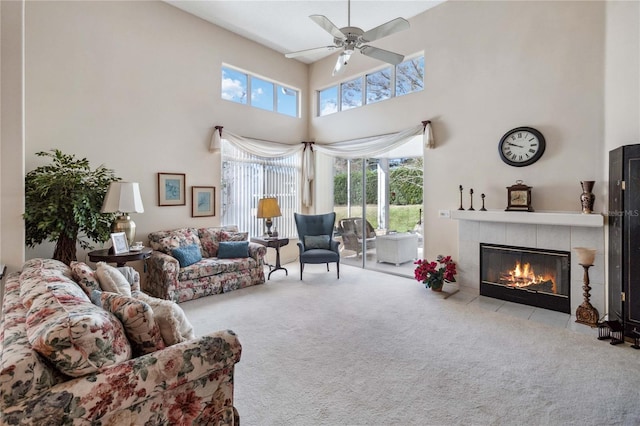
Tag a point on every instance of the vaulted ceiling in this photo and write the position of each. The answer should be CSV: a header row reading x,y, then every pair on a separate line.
x,y
285,25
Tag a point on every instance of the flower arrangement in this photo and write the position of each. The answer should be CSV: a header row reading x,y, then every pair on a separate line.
x,y
434,274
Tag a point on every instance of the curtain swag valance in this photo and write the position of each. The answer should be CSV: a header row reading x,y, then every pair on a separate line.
x,y
354,148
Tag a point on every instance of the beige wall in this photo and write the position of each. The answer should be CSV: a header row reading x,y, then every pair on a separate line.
x,y
490,67
136,86
622,75
11,135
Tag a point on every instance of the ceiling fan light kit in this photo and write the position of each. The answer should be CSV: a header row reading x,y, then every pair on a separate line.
x,y
350,39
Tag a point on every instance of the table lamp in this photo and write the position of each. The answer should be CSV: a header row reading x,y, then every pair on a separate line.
x,y
123,198
268,209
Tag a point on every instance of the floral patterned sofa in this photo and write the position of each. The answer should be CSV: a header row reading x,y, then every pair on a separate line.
x,y
211,274
64,360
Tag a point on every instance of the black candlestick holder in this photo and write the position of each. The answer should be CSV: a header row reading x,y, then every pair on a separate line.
x,y
471,198
461,208
482,209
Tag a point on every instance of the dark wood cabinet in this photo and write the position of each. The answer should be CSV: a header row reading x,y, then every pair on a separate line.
x,y
624,236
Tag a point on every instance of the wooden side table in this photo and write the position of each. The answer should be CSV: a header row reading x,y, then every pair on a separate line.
x,y
103,255
275,243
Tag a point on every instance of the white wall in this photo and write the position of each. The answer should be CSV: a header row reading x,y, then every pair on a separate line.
x,y
11,135
622,75
136,86
490,67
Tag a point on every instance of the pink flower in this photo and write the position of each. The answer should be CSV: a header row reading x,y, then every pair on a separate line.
x,y
435,273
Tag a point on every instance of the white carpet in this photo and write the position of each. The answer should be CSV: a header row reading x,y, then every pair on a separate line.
x,y
374,349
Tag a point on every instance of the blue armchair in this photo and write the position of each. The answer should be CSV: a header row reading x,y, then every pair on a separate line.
x,y
316,243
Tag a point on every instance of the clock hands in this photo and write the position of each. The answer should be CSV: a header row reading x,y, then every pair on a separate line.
x,y
513,144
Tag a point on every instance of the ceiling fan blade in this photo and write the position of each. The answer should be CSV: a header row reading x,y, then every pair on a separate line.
x,y
381,54
310,51
388,28
341,63
328,26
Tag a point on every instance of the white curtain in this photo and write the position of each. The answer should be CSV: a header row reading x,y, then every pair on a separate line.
x,y
256,147
370,146
354,148
308,174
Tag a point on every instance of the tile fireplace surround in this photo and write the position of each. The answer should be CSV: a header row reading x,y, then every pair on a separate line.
x,y
545,230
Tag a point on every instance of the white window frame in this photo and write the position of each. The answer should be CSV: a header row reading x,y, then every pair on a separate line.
x,y
276,86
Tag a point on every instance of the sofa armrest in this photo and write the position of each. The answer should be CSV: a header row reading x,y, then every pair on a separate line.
x,y
258,252
192,380
162,275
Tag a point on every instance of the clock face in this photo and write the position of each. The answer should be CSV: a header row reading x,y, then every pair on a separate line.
x,y
519,198
521,146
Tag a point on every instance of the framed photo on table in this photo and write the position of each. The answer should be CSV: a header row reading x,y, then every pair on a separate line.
x,y
119,243
203,200
171,187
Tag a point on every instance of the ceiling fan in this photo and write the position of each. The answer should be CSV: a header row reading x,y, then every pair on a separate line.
x,y
351,38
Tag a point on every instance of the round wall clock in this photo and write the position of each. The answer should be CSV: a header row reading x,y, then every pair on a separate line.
x,y
521,146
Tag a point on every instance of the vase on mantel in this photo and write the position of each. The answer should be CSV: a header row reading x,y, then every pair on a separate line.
x,y
587,198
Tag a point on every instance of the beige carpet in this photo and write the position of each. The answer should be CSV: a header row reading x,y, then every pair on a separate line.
x,y
373,349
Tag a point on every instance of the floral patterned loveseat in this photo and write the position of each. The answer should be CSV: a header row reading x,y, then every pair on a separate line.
x,y
64,360
166,279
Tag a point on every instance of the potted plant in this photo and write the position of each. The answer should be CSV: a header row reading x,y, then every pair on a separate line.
x,y
435,274
62,204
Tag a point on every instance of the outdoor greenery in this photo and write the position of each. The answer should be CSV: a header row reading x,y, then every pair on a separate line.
x,y
405,183
401,218
62,204
405,192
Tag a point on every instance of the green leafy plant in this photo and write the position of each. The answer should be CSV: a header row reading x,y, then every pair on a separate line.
x,y
62,204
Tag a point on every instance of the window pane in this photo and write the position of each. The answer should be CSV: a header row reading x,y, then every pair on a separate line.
x,y
351,93
261,94
410,76
379,86
287,101
234,86
328,101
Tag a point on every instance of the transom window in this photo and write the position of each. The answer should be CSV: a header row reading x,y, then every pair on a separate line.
x,y
264,94
407,77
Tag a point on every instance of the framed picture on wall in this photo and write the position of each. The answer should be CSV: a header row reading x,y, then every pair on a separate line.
x,y
171,188
119,243
203,201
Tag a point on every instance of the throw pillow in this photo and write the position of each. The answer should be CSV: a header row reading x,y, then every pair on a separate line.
x,y
136,317
233,249
173,323
165,241
187,255
316,242
85,276
112,280
66,328
233,236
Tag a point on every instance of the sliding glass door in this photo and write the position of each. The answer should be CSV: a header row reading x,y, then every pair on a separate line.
x,y
378,205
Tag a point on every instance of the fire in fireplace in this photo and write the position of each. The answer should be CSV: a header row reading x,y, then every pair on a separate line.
x,y
535,277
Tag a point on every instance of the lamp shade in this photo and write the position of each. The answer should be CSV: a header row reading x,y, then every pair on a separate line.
x,y
268,208
586,256
123,197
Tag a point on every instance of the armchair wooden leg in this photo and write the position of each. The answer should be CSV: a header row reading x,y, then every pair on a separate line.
x,y
338,269
327,266
301,269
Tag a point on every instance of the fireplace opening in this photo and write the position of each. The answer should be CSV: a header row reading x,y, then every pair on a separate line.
x,y
531,276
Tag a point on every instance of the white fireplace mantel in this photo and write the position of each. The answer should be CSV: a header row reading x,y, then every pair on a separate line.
x,y
544,230
536,218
